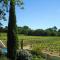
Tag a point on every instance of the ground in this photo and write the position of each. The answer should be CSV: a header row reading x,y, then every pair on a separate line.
x,y
46,44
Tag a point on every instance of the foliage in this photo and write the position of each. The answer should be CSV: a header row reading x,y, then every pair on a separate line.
x,y
24,55
12,37
59,32
49,43
37,32
39,43
37,58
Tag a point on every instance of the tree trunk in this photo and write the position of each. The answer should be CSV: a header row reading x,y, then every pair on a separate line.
x,y
11,36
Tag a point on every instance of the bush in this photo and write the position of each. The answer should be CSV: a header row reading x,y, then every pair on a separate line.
x,y
24,55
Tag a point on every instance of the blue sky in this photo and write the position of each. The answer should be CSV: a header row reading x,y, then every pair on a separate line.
x,y
39,14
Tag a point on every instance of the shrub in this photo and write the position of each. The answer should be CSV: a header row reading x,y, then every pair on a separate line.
x,y
24,55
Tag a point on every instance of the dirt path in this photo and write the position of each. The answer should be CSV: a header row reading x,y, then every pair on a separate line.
x,y
30,48
51,53
27,47
47,52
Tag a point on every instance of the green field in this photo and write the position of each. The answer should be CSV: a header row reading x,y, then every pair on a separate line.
x,y
45,44
50,42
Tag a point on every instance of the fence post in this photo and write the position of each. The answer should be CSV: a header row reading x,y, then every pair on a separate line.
x,y
22,44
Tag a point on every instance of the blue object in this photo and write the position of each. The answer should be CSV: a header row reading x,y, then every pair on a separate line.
x,y
4,51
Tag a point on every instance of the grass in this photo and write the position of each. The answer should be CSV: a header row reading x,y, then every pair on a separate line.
x,y
38,43
37,58
50,42
3,58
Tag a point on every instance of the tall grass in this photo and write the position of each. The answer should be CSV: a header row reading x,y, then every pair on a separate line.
x,y
48,43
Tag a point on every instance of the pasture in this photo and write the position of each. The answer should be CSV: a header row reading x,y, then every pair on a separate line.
x,y
45,44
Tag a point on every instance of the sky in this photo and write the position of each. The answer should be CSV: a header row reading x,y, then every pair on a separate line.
x,y
38,14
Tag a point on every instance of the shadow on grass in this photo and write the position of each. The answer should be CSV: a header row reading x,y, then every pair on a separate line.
x,y
54,58
3,58
49,57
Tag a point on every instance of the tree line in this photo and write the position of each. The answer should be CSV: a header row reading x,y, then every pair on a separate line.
x,y
54,31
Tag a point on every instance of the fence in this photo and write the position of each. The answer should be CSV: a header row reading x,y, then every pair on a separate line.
x,y
50,47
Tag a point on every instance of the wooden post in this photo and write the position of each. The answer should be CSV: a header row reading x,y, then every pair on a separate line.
x,y
22,44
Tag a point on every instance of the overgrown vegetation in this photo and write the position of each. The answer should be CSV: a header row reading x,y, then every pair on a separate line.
x,y
49,44
53,31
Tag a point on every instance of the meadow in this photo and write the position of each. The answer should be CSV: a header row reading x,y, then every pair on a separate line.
x,y
45,44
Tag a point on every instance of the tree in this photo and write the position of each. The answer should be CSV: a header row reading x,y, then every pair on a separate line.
x,y
0,28
11,36
38,32
5,29
59,32
54,28
0,24
19,29
30,32
51,31
25,30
